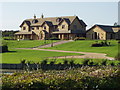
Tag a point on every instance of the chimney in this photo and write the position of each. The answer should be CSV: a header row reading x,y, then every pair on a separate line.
x,y
42,16
34,16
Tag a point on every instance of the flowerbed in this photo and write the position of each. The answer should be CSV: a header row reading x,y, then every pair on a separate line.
x,y
97,77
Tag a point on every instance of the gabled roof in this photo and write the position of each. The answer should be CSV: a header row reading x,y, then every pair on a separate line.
x,y
48,23
27,22
105,28
66,20
53,20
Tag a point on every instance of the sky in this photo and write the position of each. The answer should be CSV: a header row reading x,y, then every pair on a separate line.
x,y
13,13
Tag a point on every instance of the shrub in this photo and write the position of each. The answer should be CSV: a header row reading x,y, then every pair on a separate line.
x,y
52,62
112,64
44,62
91,63
96,45
104,62
54,38
102,43
72,62
85,61
85,78
79,38
65,62
4,48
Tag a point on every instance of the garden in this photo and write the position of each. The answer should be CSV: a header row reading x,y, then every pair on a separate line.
x,y
92,78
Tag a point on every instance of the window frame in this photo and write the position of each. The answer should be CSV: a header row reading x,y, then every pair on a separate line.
x,y
24,28
63,26
44,27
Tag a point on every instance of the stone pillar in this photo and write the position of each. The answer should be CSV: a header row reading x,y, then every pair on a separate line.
x,y
62,36
23,37
59,36
31,37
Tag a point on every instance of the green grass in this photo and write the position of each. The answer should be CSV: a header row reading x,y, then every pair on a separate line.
x,y
15,56
26,43
85,46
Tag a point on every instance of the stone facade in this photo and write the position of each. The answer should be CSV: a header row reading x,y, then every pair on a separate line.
x,y
67,27
103,32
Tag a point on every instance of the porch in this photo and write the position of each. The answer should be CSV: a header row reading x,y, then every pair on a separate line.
x,y
64,36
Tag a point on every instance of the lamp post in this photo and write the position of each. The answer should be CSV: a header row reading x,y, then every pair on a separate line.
x,y
51,42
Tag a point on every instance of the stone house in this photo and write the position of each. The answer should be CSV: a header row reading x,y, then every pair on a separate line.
x,y
103,32
67,27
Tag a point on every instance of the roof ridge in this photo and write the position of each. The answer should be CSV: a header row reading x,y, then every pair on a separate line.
x,y
52,17
104,25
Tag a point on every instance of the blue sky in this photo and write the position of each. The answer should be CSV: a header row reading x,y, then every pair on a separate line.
x,y
90,12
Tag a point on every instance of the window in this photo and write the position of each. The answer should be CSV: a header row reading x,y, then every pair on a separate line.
x,y
32,28
63,26
37,27
35,21
58,19
24,28
111,36
44,27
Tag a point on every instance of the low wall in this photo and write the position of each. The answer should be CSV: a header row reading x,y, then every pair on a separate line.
x,y
40,66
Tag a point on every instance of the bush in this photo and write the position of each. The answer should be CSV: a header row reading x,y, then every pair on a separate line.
x,y
44,62
112,64
79,38
96,45
102,43
85,78
104,62
54,38
85,61
4,48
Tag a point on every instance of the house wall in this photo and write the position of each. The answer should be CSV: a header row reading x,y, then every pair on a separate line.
x,y
60,26
47,27
110,36
79,26
100,34
26,26
117,35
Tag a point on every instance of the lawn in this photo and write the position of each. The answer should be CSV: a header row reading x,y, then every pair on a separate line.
x,y
16,55
26,43
85,46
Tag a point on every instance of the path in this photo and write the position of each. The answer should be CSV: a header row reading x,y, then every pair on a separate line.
x,y
54,44
86,54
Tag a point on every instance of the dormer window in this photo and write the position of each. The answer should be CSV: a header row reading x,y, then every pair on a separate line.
x,y
44,27
24,28
63,26
35,21
58,19
32,28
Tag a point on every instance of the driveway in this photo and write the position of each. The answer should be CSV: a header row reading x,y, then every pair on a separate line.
x,y
85,54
